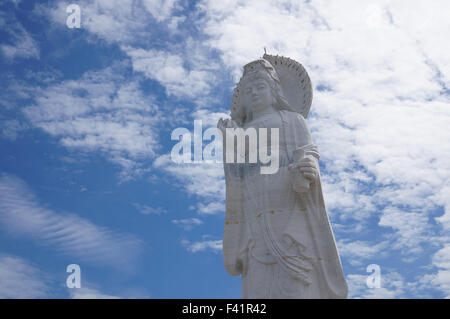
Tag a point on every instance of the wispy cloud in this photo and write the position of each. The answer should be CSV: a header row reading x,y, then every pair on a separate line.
x,y
121,21
112,21
412,229
392,287
18,42
205,245
360,253
186,70
147,210
160,9
194,177
100,112
21,214
187,223
441,278
168,69
89,293
20,279
10,129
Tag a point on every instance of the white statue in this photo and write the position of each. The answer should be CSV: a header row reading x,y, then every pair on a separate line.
x,y
277,235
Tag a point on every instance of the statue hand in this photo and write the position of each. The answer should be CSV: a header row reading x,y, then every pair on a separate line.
x,y
227,123
308,167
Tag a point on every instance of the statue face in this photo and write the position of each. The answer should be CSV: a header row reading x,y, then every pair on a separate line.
x,y
258,94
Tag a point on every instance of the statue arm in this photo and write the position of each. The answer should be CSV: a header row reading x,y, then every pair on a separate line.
x,y
303,135
234,229
300,137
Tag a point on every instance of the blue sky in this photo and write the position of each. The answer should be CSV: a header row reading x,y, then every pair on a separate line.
x,y
86,117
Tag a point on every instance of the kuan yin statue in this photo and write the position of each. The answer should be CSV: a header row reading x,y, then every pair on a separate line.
x,y
277,234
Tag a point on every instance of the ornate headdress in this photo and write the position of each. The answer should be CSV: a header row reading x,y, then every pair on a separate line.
x,y
290,75
260,65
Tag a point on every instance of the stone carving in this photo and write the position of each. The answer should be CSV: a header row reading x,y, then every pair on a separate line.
x,y
277,235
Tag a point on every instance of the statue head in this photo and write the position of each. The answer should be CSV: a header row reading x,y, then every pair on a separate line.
x,y
258,89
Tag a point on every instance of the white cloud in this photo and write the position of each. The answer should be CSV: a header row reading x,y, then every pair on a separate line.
x,y
343,195
20,43
194,177
21,214
442,257
392,286
89,293
169,70
160,9
186,70
211,208
208,117
121,21
187,223
147,210
111,20
20,279
441,278
174,23
10,129
24,47
360,253
100,112
205,245
412,229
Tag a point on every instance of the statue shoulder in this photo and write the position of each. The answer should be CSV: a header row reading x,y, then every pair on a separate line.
x,y
293,118
297,126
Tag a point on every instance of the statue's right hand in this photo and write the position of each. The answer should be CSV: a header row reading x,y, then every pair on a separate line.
x,y
223,124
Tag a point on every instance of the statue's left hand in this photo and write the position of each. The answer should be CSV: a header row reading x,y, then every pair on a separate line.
x,y
308,166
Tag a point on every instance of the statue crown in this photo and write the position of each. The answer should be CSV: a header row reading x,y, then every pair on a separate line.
x,y
260,65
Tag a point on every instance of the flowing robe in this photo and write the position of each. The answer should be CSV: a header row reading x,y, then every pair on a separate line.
x,y
279,241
